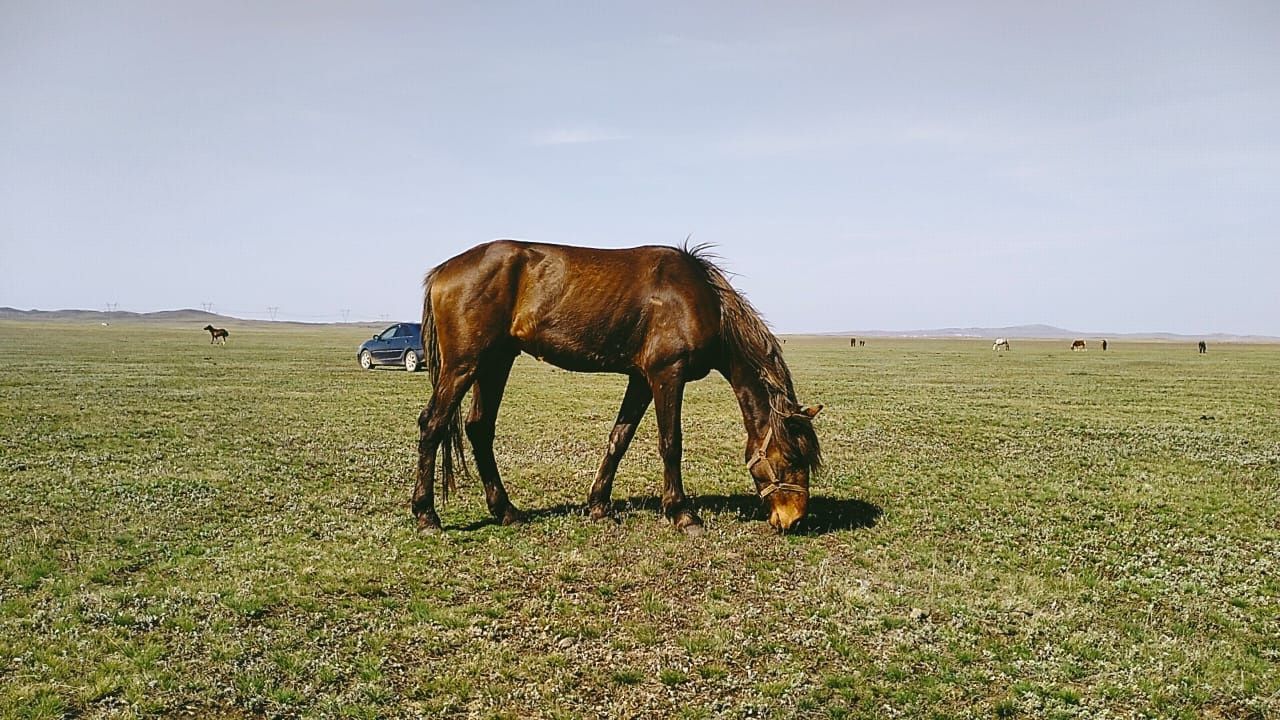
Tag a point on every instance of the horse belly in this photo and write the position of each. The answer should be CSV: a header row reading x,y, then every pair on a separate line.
x,y
601,347
577,356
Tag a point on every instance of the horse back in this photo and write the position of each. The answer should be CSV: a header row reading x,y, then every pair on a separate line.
x,y
580,308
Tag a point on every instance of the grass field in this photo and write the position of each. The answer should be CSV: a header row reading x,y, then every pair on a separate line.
x,y
224,532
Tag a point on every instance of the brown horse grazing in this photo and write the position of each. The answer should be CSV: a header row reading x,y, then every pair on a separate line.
x,y
662,316
1078,345
216,334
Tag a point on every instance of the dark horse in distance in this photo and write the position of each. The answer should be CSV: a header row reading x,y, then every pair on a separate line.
x,y
216,334
662,316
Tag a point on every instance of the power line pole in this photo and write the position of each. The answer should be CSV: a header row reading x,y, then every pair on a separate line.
x,y
111,307
345,313
208,306
273,309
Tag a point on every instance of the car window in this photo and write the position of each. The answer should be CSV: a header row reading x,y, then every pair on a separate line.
x,y
389,332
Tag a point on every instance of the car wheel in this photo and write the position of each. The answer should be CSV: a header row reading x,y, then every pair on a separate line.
x,y
366,360
411,361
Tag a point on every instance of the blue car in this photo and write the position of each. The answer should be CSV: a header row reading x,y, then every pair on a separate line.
x,y
400,344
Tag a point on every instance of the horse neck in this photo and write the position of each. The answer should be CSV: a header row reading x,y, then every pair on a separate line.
x,y
753,399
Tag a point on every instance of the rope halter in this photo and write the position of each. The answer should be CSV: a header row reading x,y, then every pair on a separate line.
x,y
773,485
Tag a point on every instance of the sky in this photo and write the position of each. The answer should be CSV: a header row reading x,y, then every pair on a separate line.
x,y
1097,166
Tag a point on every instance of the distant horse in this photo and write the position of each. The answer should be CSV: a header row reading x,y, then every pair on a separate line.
x,y
217,335
853,342
1104,344
1203,347
1000,343
1078,345
662,316
862,343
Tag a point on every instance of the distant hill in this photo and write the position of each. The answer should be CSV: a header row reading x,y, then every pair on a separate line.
x,y
184,316
1048,332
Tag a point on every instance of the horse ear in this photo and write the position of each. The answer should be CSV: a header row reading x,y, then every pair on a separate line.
x,y
812,411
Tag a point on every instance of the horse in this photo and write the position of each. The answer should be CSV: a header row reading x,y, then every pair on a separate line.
x,y
853,342
862,343
1078,345
662,316
1203,347
1000,343
216,334
1104,344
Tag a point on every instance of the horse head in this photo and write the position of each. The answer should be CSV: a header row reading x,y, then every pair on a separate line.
x,y
782,464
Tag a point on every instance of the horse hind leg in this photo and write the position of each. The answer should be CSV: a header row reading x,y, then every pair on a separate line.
x,y
434,428
634,404
486,397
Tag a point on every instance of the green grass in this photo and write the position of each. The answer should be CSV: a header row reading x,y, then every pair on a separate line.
x,y
225,532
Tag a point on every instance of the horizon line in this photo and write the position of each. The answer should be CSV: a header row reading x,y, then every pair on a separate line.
x,y
957,332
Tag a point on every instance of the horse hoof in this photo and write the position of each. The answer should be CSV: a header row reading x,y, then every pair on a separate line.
x,y
513,516
428,524
689,524
601,512
693,529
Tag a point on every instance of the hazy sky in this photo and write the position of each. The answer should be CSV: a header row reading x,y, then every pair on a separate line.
x,y
1099,166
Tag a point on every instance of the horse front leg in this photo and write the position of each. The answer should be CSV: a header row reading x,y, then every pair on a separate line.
x,y
668,395
634,403
486,397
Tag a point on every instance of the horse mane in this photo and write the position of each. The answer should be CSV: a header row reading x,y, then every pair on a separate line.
x,y
748,340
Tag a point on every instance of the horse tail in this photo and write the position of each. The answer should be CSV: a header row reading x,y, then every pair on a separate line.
x,y
453,461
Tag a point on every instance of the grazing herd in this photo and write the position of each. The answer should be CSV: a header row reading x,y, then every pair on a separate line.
x,y
586,310
219,335
1077,345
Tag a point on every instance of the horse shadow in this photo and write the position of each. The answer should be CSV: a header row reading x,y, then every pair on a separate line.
x,y
826,514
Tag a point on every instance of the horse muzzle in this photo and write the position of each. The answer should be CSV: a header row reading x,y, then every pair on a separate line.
x,y
788,510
